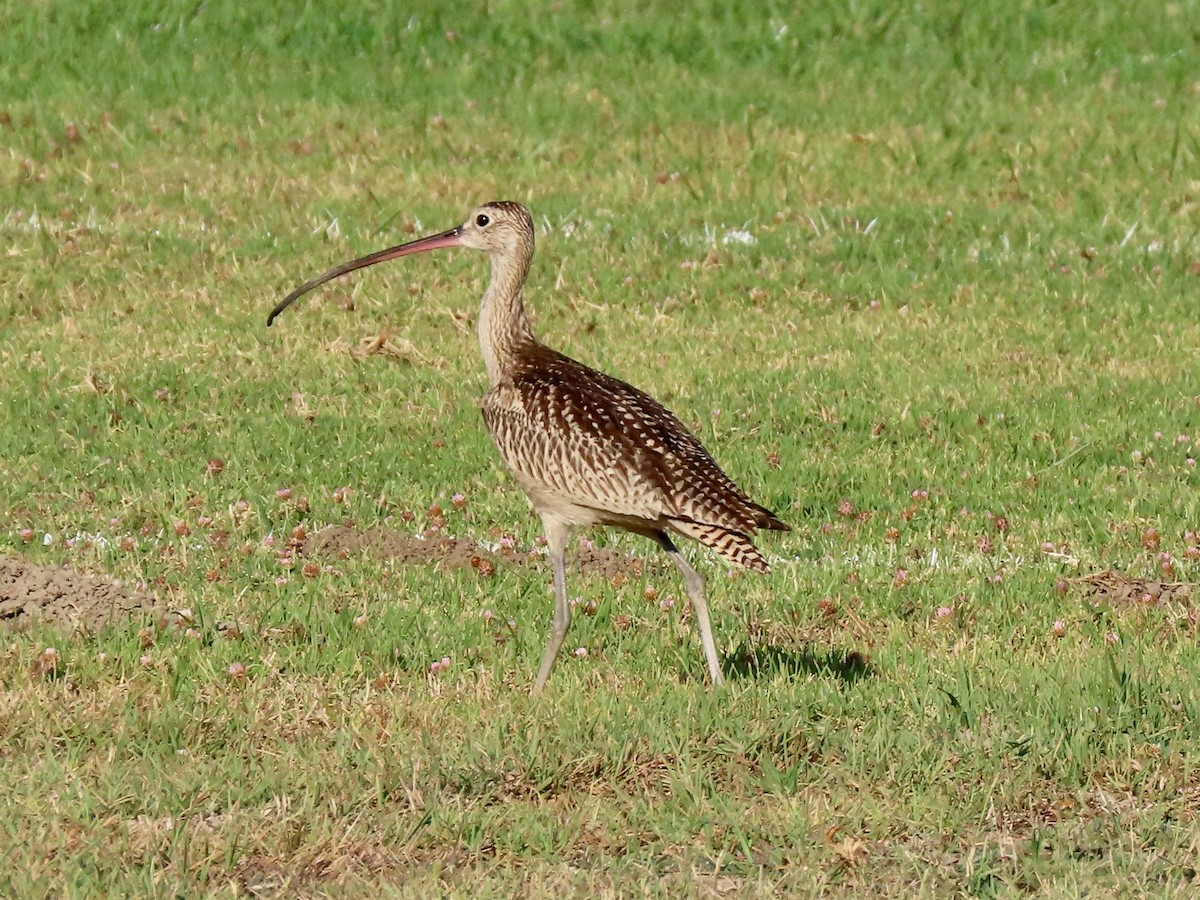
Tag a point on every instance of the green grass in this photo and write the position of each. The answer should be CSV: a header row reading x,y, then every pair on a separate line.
x,y
974,273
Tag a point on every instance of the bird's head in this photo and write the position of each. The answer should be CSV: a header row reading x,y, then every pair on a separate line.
x,y
498,228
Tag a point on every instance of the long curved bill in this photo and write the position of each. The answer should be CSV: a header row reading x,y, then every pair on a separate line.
x,y
451,238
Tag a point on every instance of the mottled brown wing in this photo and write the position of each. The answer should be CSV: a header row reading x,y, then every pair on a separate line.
x,y
612,447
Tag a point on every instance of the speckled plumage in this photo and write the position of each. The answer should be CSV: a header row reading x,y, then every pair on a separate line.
x,y
587,448
599,451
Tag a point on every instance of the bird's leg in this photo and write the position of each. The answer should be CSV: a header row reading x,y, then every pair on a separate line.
x,y
693,583
556,540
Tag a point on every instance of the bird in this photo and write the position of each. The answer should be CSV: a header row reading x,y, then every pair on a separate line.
x,y
586,448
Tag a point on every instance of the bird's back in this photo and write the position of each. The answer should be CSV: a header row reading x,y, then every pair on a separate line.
x,y
601,451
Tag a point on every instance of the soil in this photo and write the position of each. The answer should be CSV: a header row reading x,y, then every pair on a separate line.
x,y
66,599
463,553
1118,590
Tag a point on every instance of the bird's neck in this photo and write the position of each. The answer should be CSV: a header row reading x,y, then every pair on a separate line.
x,y
503,327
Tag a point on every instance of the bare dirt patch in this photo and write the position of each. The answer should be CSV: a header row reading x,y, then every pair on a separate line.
x,y
66,599
342,542
1121,590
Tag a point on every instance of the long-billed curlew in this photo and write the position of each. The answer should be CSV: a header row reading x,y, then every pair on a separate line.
x,y
587,449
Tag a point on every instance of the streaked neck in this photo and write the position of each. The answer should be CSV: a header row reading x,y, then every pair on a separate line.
x,y
503,327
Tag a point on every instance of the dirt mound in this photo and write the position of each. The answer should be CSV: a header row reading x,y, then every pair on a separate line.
x,y
68,600
1118,589
462,553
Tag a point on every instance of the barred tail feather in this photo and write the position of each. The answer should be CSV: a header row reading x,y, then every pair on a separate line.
x,y
732,546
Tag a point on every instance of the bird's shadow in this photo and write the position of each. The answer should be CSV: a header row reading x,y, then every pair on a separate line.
x,y
749,661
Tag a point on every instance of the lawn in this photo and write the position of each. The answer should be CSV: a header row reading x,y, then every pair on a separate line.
x,y
922,277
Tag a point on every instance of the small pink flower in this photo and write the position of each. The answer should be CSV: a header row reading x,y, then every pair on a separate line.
x,y
580,652
283,494
26,535
281,581
1059,628
920,494
1061,586
901,578
1182,439
508,542
145,661
113,522
1158,435
488,615
458,501
237,671
1047,546
360,622
944,612
204,521
585,543
1111,637
666,603
1190,462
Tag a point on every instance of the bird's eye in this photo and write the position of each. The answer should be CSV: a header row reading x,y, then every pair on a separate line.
x,y
482,221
